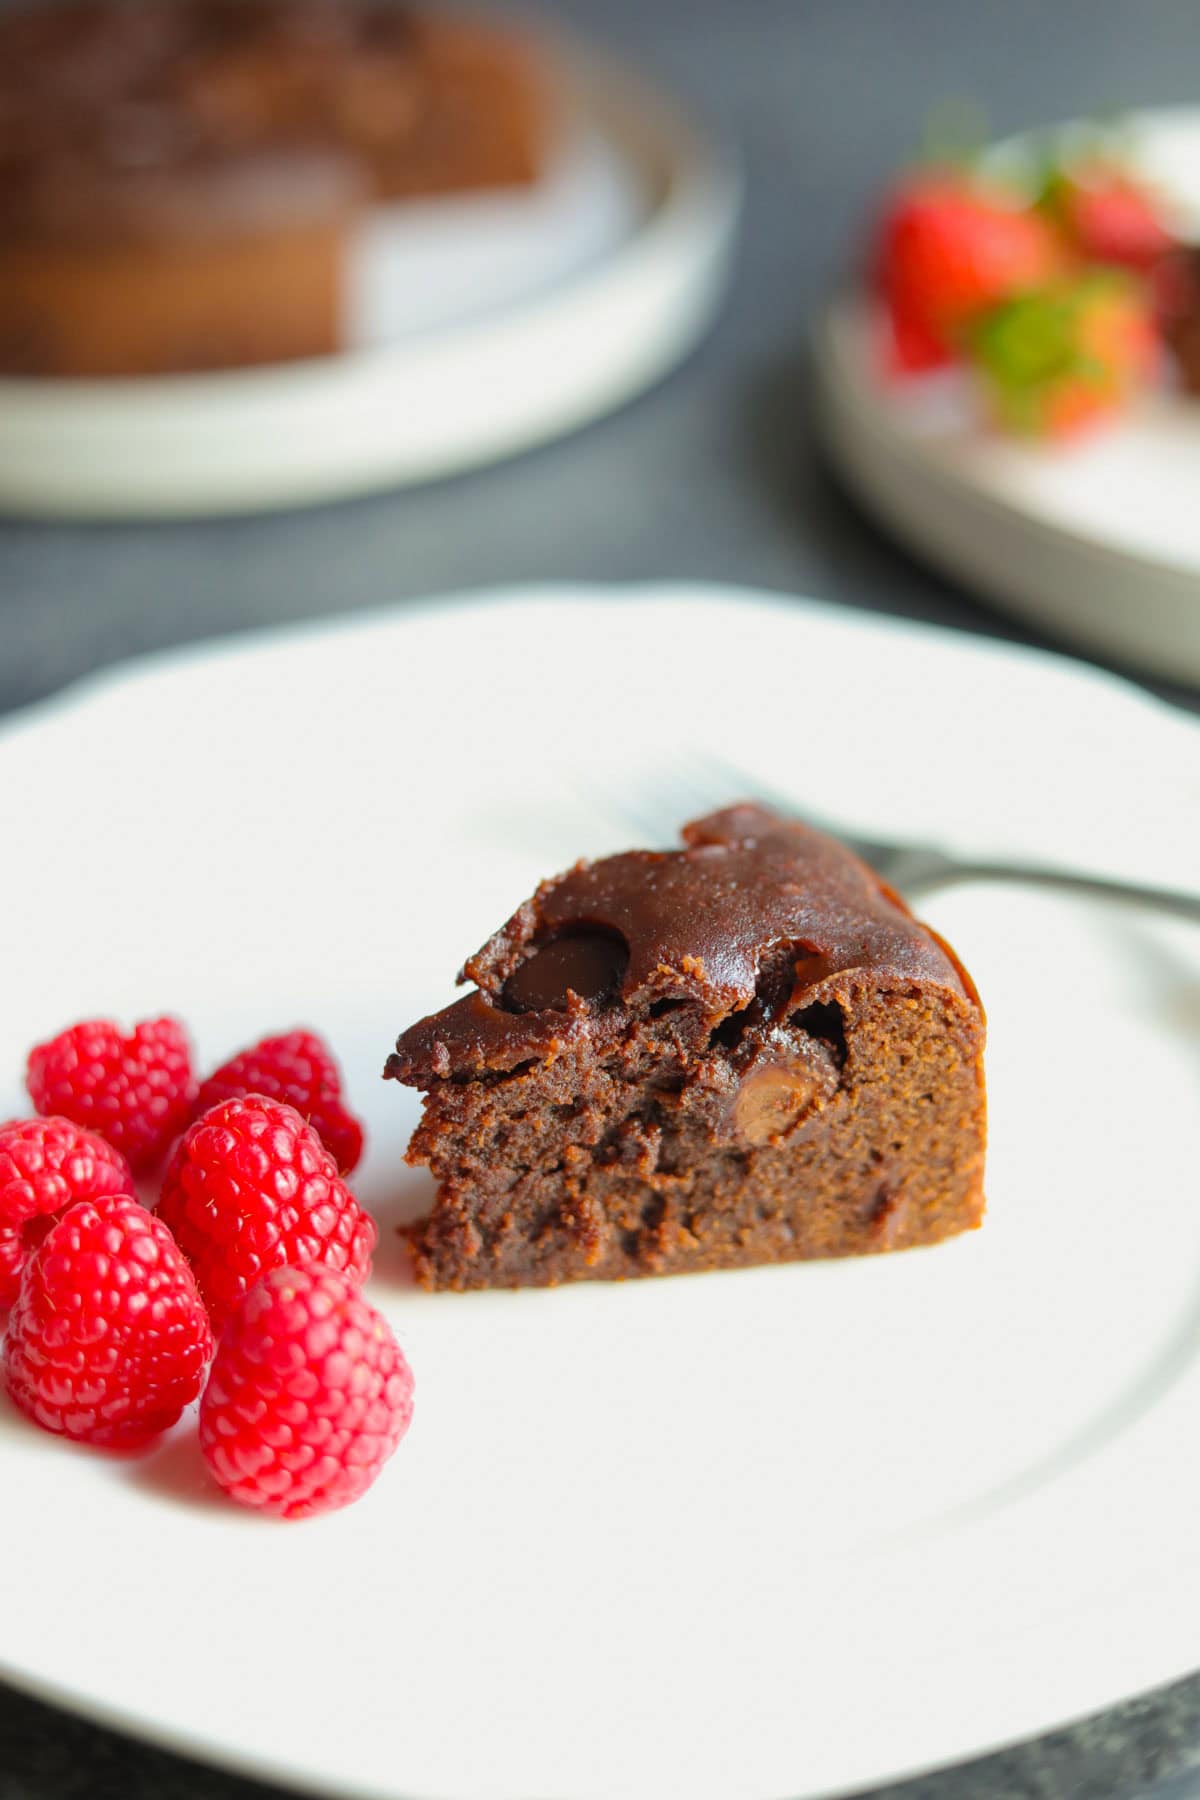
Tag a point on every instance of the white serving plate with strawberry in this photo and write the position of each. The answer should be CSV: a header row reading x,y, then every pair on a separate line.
x,y
781,1531
1095,540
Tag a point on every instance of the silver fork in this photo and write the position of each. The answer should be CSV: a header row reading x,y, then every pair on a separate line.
x,y
911,868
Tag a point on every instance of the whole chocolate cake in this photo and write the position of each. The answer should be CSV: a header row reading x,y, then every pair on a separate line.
x,y
179,179
744,1051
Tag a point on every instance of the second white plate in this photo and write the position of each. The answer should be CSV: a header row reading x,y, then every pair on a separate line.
x,y
1097,542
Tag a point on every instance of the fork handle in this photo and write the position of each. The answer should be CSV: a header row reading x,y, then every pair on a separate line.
x,y
1133,893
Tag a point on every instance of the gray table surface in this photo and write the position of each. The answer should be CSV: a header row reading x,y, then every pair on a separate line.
x,y
714,475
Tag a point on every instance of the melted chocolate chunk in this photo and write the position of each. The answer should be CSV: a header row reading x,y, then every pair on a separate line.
x,y
771,1099
589,964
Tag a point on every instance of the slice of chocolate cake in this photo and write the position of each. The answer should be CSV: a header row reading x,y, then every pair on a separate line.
x,y
744,1051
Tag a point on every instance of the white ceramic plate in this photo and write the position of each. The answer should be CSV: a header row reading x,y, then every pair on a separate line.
x,y
775,1532
1097,543
482,325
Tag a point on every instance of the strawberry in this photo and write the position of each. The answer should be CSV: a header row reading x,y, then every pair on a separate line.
x,y
947,248
1057,360
1106,216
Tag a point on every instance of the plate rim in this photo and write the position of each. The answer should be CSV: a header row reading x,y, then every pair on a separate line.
x,y
843,383
547,590
296,1777
1050,577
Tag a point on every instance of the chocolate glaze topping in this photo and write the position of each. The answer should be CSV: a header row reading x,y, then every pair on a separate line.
x,y
586,963
701,924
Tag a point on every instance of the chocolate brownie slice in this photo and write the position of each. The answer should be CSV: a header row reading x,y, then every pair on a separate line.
x,y
744,1051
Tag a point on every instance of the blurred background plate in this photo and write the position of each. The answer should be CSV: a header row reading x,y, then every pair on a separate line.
x,y
483,325
1098,542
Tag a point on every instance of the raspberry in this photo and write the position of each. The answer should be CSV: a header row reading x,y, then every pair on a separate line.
x,y
308,1396
46,1165
108,1340
299,1068
251,1188
136,1090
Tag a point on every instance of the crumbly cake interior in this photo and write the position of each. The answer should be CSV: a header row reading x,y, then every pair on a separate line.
x,y
598,1110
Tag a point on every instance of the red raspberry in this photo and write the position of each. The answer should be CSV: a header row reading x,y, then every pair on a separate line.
x,y
251,1188
109,1338
136,1090
298,1067
46,1165
308,1397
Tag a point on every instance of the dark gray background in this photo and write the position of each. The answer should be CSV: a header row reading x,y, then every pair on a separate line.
x,y
714,474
